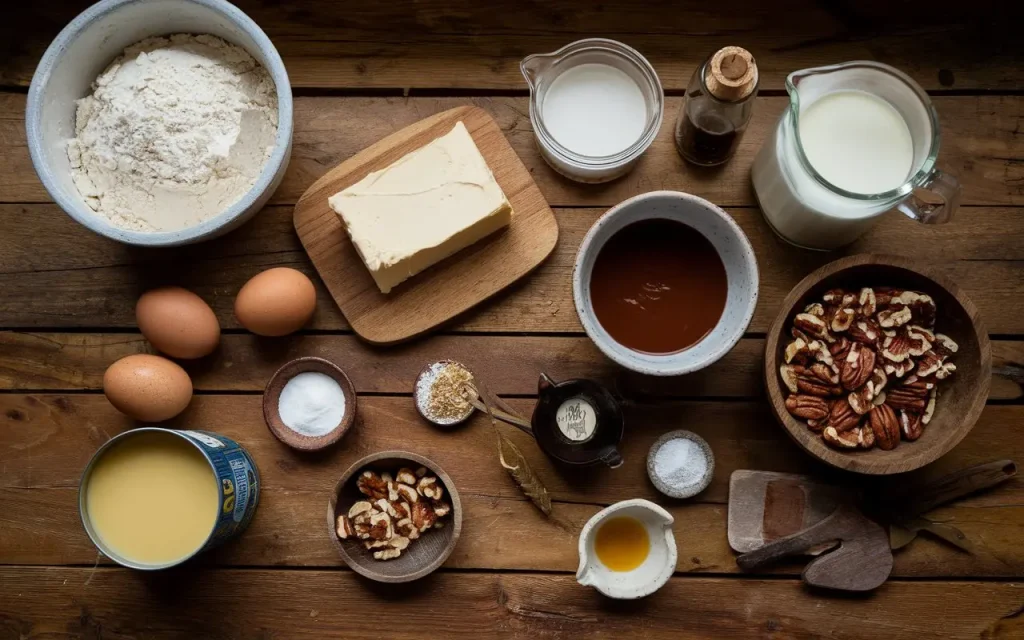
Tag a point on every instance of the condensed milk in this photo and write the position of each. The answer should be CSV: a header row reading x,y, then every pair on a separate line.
x,y
152,498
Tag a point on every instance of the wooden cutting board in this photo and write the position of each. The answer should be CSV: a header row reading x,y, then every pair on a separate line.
x,y
452,286
765,506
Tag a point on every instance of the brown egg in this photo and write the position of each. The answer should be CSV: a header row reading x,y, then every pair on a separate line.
x,y
147,388
276,302
177,322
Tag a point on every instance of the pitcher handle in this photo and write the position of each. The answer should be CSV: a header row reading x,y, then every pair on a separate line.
x,y
612,458
946,187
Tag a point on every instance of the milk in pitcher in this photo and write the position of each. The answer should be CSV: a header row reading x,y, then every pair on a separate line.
x,y
856,141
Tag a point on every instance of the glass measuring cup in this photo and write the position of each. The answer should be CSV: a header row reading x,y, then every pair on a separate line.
x,y
541,70
809,211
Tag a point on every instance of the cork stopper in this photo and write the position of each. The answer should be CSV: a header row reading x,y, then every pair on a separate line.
x,y
732,74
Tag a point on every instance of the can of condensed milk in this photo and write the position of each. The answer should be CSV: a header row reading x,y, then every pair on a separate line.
x,y
152,498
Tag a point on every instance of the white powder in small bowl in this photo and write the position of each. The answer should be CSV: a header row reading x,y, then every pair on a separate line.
x,y
681,464
311,404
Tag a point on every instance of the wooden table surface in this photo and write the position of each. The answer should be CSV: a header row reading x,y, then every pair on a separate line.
x,y
362,70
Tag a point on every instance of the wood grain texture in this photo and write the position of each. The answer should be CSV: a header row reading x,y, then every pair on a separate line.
x,y
80,603
450,287
960,398
461,44
46,441
979,147
76,361
91,282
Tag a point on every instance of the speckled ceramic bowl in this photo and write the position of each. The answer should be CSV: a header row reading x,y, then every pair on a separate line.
x,y
693,489
732,246
84,49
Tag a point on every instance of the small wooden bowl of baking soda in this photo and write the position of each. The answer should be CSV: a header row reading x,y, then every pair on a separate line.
x,y
309,404
680,464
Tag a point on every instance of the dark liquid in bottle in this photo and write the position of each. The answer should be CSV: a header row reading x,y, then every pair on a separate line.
x,y
711,140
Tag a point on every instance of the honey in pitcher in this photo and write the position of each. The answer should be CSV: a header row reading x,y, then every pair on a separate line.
x,y
622,544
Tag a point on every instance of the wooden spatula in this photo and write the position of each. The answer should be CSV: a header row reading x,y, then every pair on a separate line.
x,y
862,560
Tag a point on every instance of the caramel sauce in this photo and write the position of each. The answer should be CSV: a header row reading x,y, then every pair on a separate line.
x,y
658,286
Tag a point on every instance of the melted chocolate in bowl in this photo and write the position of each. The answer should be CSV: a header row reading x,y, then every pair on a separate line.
x,y
658,286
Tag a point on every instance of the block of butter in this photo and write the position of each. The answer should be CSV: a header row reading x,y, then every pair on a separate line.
x,y
423,208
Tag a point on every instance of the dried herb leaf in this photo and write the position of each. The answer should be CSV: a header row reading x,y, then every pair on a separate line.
x,y
512,459
515,463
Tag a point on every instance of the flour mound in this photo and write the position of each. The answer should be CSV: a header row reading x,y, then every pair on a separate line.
x,y
177,129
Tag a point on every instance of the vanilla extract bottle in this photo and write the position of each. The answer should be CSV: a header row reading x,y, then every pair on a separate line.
x,y
718,105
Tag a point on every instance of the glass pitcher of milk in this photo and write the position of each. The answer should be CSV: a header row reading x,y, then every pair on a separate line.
x,y
857,140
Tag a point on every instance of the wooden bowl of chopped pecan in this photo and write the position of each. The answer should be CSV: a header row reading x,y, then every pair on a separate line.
x,y
395,516
877,366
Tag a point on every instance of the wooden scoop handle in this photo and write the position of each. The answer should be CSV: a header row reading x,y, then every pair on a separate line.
x,y
955,486
827,530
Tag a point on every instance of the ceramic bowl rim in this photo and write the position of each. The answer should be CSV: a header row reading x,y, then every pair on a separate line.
x,y
272,171
672,364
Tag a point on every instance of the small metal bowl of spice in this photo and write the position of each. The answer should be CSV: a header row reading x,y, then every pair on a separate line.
x,y
680,464
309,404
440,393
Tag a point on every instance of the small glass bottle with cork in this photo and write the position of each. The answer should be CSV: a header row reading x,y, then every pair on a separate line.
x,y
718,105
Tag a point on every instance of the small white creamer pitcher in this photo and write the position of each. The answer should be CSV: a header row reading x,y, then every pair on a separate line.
x,y
808,210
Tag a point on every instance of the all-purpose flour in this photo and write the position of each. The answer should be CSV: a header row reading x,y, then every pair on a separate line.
x,y
176,130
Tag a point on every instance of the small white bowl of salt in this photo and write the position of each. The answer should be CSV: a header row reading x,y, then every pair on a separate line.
x,y
309,404
680,464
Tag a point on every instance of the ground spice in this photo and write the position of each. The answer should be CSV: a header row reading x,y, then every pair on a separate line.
x,y
441,393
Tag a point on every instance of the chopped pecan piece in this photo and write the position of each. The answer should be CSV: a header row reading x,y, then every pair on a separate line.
x,y
429,487
868,302
344,528
892,318
929,409
423,516
930,363
372,485
407,493
839,348
919,343
945,345
862,400
911,425
921,305
442,508
359,508
834,296
843,319
865,437
807,407
815,309
899,369
841,440
798,351
386,554
406,476
885,426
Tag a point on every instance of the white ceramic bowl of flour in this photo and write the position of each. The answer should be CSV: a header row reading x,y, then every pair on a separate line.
x,y
86,47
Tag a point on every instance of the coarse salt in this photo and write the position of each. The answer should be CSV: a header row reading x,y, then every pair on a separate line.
x,y
681,463
312,404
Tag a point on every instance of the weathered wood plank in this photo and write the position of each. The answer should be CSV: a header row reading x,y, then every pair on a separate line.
x,y
468,45
83,603
979,147
76,361
45,442
92,282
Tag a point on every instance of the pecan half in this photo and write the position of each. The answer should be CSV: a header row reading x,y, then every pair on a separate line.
x,y
899,369
907,399
921,305
930,363
344,528
372,485
896,348
885,426
839,348
842,416
919,343
865,331
812,325
911,425
856,368
807,407
862,399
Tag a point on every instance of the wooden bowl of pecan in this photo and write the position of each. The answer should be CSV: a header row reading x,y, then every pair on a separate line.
x,y
877,366
395,516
